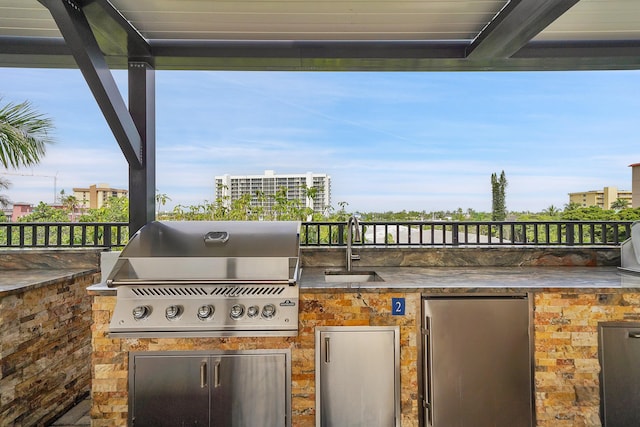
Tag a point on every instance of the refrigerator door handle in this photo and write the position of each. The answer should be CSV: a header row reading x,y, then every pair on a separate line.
x,y
428,367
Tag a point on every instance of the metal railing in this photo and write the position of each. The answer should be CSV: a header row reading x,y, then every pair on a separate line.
x,y
471,233
63,234
319,234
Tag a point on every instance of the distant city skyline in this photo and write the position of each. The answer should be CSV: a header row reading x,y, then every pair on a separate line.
x,y
389,141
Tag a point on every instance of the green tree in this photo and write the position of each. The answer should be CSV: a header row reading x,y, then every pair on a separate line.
x,y
24,134
572,206
551,211
589,213
115,209
46,213
619,204
498,193
161,200
70,204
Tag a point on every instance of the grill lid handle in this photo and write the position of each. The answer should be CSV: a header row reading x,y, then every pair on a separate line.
x,y
216,238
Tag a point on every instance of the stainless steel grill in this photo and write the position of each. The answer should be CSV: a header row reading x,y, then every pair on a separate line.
x,y
207,278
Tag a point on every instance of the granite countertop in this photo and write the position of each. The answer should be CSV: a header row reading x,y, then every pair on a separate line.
x,y
18,280
524,278
434,278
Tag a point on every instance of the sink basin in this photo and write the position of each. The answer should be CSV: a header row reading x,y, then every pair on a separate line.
x,y
345,276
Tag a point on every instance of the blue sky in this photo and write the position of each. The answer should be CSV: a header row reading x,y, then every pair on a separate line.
x,y
389,141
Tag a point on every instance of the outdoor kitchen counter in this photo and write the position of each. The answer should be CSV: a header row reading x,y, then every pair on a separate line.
x,y
22,280
25,269
471,279
478,278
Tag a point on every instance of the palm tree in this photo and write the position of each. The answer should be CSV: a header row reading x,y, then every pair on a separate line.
x,y
619,204
551,211
71,204
4,185
24,134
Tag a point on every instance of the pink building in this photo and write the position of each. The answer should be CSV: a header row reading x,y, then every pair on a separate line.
x,y
20,210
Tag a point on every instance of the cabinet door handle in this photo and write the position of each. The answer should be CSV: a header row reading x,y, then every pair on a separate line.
x,y
216,374
327,358
203,374
634,334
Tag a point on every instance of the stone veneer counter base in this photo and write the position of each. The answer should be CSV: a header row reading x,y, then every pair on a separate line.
x,y
568,303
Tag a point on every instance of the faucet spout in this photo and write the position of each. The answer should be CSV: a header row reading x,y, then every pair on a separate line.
x,y
352,224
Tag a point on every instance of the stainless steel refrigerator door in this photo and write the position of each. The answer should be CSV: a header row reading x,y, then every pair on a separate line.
x,y
357,376
620,373
477,362
170,391
249,390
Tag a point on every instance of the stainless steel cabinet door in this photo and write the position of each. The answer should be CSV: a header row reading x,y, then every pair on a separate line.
x,y
477,362
248,390
620,373
357,377
170,391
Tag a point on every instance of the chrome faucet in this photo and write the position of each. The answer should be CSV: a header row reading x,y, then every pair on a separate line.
x,y
351,237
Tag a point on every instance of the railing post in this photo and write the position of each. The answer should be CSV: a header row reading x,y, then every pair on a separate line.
x,y
570,230
106,235
455,238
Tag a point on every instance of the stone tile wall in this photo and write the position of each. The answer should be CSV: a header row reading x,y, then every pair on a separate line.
x,y
45,350
566,352
110,358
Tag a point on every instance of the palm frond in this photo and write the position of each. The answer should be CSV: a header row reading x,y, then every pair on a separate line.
x,y
24,134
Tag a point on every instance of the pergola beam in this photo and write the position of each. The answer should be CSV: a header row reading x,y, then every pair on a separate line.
x,y
346,56
77,34
514,26
142,181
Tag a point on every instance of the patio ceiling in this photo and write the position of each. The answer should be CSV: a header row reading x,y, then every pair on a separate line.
x,y
299,35
377,35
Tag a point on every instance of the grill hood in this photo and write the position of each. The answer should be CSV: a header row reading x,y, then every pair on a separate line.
x,y
195,251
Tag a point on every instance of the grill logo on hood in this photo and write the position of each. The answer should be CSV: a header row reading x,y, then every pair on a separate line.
x,y
287,303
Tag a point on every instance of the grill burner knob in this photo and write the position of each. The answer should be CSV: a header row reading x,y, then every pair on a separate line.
x,y
253,311
205,312
268,311
173,312
237,311
141,312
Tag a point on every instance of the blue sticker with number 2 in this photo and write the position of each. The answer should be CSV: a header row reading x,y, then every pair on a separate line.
x,y
397,306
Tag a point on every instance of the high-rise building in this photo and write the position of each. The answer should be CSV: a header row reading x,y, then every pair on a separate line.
x,y
601,198
96,195
232,187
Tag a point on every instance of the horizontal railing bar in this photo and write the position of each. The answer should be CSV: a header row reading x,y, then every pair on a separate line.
x,y
63,234
470,233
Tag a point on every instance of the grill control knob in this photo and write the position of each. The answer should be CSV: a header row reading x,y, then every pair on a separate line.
x,y
253,311
173,312
237,311
205,312
268,311
141,312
